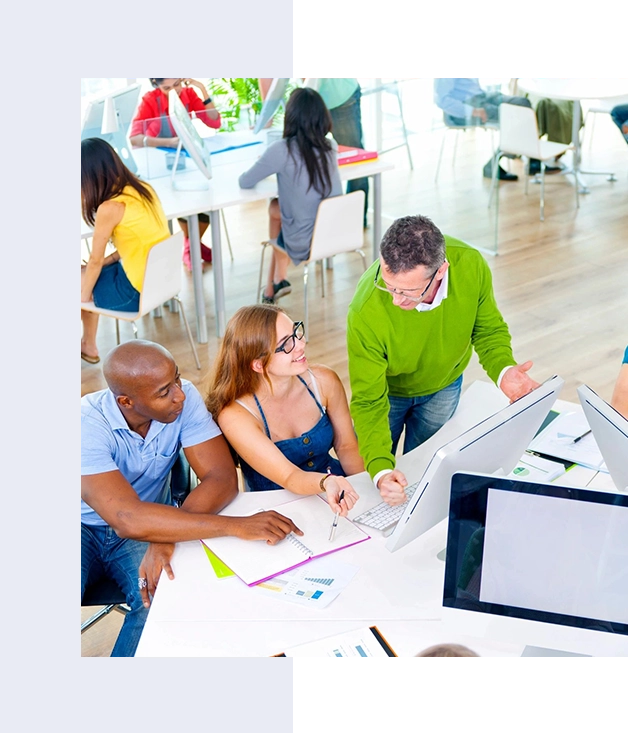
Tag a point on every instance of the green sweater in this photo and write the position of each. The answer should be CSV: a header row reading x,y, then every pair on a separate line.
x,y
414,353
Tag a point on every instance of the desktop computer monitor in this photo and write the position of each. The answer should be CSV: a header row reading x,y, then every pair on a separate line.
x,y
495,444
124,102
610,430
541,565
188,135
273,100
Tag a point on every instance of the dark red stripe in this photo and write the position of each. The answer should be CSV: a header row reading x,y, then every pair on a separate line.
x,y
340,43
461,28
379,64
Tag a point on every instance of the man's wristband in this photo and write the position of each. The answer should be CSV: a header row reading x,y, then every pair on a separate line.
x,y
207,101
322,481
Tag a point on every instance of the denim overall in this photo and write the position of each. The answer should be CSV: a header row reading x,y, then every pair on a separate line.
x,y
310,451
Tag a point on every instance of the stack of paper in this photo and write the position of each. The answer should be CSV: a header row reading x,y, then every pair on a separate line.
x,y
562,439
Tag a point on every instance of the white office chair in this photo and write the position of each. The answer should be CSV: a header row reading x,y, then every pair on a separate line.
x,y
519,135
162,282
339,227
492,126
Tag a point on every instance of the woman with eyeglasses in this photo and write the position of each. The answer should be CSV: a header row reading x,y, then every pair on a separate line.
x,y
151,128
125,210
281,415
306,164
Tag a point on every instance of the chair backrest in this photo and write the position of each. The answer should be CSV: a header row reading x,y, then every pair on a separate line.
x,y
339,226
162,279
519,133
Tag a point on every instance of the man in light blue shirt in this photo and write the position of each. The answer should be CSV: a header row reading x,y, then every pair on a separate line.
x,y
465,103
131,434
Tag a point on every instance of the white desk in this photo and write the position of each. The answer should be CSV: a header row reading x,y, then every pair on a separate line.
x,y
400,592
223,191
576,90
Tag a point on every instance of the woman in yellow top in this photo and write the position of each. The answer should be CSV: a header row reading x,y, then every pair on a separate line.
x,y
123,209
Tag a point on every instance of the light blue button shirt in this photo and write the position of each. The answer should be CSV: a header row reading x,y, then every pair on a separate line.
x,y
108,444
450,95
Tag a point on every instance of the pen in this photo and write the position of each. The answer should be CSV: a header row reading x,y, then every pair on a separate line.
x,y
334,524
575,440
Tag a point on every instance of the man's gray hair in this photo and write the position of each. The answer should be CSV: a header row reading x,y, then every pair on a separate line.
x,y
410,242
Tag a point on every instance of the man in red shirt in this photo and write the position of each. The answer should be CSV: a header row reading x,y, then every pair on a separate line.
x,y
151,127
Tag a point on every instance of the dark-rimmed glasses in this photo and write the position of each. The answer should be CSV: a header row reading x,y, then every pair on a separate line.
x,y
404,293
288,344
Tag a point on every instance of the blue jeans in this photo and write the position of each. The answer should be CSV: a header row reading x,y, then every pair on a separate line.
x,y
103,553
347,130
421,416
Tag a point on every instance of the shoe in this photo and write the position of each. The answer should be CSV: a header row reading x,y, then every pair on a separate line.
x,y
90,359
534,167
186,254
206,254
281,289
502,175
267,301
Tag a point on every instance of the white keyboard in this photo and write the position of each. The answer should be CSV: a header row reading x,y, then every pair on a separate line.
x,y
383,516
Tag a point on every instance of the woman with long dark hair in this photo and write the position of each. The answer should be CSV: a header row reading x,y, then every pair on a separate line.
x,y
306,164
123,209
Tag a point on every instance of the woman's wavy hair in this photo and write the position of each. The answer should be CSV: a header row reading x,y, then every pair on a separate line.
x,y
251,334
104,176
306,122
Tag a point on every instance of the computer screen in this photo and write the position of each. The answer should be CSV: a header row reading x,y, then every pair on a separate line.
x,y
188,135
538,552
273,100
610,430
124,103
495,444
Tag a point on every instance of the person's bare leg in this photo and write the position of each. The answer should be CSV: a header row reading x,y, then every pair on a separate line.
x,y
90,326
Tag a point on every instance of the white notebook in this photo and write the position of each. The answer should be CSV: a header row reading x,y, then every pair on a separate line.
x,y
255,561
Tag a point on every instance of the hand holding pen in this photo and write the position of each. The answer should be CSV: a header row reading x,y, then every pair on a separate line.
x,y
334,524
341,496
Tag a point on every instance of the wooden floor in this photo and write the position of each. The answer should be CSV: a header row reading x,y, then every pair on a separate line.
x,y
561,284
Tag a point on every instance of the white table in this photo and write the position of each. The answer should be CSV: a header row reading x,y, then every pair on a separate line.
x,y
400,592
576,90
223,191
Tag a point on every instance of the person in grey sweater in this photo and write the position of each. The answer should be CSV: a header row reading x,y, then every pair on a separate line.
x,y
306,164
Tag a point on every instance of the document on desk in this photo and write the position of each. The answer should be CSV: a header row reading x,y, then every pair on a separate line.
x,y
315,584
256,561
365,642
558,440
536,469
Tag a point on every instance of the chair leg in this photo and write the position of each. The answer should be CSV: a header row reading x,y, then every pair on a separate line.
x,y
323,277
493,179
542,191
453,160
187,328
403,126
526,168
134,328
120,608
305,305
440,155
363,256
224,223
261,271
117,331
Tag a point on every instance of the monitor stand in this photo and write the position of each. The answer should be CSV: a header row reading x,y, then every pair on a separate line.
x,y
194,183
543,655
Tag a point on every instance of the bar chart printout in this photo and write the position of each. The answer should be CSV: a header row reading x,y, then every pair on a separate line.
x,y
364,642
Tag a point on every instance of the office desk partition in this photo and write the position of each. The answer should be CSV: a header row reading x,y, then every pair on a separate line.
x,y
197,195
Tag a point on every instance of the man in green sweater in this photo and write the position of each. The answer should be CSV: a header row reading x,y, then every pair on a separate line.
x,y
416,315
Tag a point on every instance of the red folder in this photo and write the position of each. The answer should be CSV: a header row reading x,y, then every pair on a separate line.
x,y
348,155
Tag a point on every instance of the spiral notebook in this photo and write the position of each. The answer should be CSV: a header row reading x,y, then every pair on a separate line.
x,y
255,561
